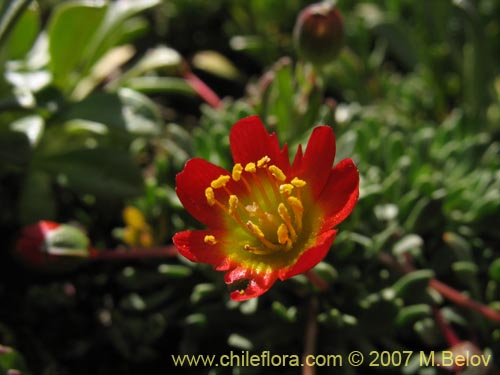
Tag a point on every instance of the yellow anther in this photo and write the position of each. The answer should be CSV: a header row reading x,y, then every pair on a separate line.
x,y
296,204
255,229
263,161
277,173
286,189
209,194
250,167
297,182
220,181
209,239
233,203
283,234
237,169
283,212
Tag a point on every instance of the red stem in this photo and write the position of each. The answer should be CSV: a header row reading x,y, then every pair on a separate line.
x,y
462,300
205,92
317,281
134,253
448,332
311,335
445,290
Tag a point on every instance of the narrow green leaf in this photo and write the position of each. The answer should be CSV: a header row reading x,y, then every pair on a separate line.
x,y
160,85
414,282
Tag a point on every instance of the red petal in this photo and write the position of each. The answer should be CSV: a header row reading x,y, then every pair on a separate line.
x,y
311,256
340,194
190,187
191,244
316,163
259,281
250,141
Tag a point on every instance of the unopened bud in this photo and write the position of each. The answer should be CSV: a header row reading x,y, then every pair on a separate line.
x,y
47,245
319,33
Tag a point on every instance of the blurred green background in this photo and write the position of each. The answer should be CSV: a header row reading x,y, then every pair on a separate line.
x,y
98,115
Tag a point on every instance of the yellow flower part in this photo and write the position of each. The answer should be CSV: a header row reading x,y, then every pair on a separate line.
x,y
137,232
134,218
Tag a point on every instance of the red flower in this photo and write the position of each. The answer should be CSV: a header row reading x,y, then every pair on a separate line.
x,y
268,218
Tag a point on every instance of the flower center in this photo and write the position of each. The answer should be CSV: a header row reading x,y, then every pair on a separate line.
x,y
268,215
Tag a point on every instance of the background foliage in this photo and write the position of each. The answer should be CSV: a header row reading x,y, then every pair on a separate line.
x,y
96,115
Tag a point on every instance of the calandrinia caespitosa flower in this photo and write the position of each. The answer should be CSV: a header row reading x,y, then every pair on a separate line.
x,y
267,218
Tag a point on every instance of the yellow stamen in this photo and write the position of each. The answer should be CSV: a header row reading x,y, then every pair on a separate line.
x,y
255,229
209,239
277,173
286,189
263,161
209,194
221,181
237,169
233,203
297,182
255,250
250,167
285,216
283,234
297,209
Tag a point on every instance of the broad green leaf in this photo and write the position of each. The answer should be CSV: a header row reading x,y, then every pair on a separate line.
x,y
9,14
102,69
103,172
141,115
32,126
31,81
126,111
215,63
159,58
71,28
23,33
110,31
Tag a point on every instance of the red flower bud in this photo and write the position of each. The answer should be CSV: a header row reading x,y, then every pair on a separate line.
x,y
51,246
319,33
